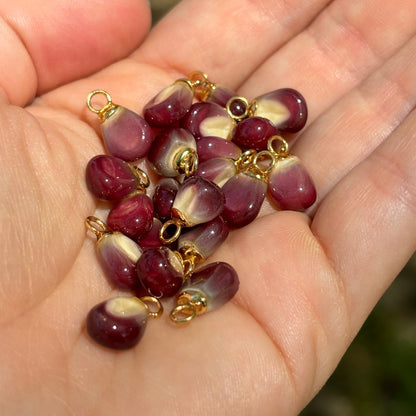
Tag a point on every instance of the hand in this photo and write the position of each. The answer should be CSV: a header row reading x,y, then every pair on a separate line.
x,y
307,283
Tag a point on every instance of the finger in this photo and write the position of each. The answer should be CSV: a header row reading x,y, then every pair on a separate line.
x,y
347,133
337,51
48,43
228,40
367,224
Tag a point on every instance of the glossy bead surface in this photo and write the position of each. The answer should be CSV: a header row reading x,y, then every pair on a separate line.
x,y
118,255
290,185
218,282
218,170
205,238
169,106
220,95
210,147
167,147
163,197
206,119
160,271
126,135
197,201
285,108
117,323
110,178
132,216
253,133
244,195
151,238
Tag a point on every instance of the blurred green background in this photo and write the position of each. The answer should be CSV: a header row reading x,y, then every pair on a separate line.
x,y
377,376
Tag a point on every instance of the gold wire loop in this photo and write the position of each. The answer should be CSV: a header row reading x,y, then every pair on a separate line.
x,y
150,302
142,177
228,108
190,258
175,222
283,149
183,314
92,222
186,162
262,156
245,160
201,85
101,112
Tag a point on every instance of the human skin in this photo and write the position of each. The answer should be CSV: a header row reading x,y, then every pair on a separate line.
x,y
308,281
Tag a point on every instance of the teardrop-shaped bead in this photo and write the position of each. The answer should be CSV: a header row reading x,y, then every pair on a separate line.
x,y
206,119
110,178
205,238
290,185
163,197
220,95
169,106
218,170
197,201
216,282
151,238
168,149
126,135
118,255
253,133
210,147
244,194
285,108
132,216
160,271
117,323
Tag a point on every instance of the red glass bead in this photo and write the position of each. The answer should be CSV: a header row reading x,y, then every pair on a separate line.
x,y
168,149
205,238
110,178
290,185
126,135
169,106
206,119
210,147
198,200
253,133
160,271
132,216
244,194
218,170
220,95
285,108
117,323
118,255
151,238
163,197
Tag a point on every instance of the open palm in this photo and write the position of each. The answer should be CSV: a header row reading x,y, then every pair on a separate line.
x,y
307,282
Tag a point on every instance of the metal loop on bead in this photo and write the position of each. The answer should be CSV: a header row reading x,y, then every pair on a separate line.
x,y
143,178
175,222
243,115
202,87
245,160
263,168
183,314
91,223
186,162
282,151
151,300
101,112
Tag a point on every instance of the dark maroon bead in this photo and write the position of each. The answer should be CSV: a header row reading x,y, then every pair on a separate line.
x,y
118,255
290,185
206,119
285,108
238,107
218,170
169,106
151,238
160,271
163,197
210,147
126,135
110,178
117,323
132,216
220,95
244,195
253,133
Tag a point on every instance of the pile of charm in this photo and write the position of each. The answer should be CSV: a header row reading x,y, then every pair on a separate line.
x,y
216,156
